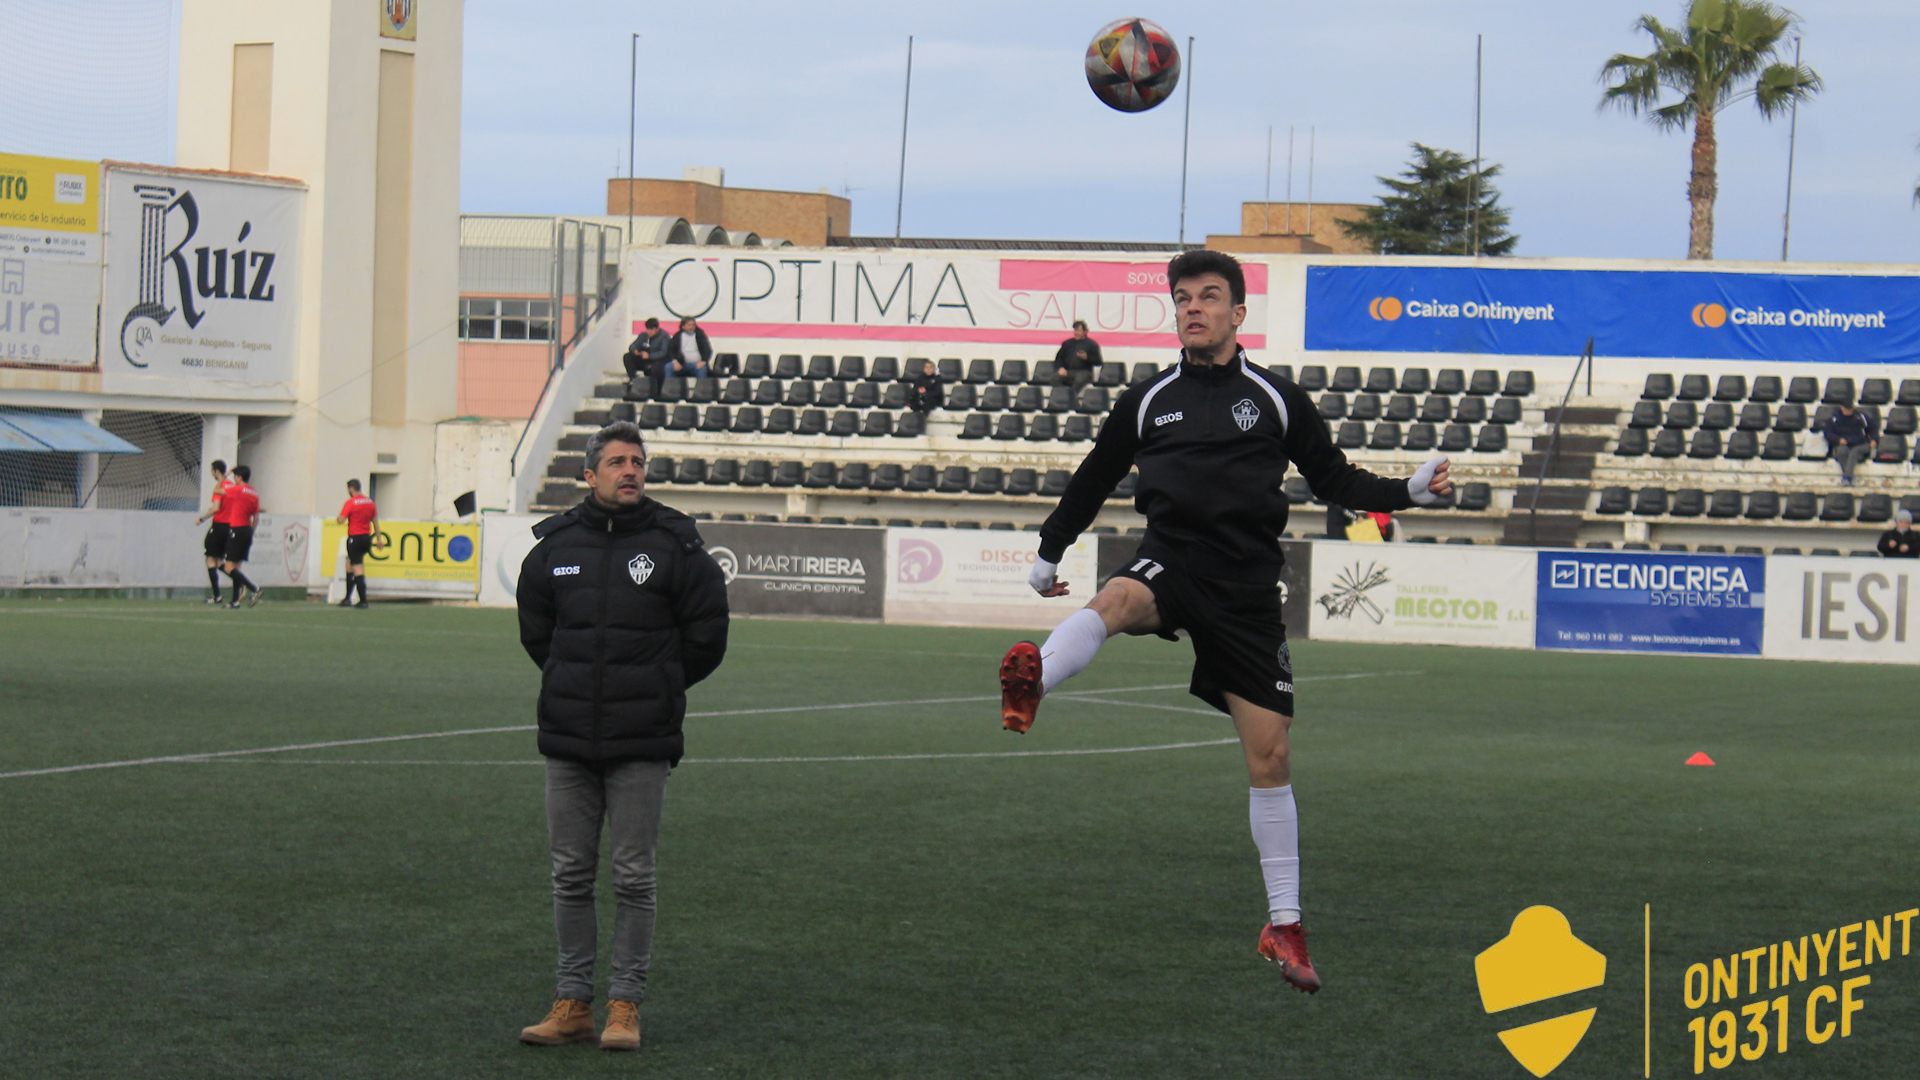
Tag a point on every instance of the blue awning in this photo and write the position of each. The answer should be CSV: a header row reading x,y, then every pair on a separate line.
x,y
44,432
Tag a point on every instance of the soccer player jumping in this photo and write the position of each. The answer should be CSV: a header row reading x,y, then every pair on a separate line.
x,y
1212,438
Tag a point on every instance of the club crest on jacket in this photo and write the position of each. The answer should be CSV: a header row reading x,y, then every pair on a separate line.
x,y
1246,414
641,568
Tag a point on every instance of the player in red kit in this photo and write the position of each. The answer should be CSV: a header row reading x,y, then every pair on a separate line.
x,y
362,520
240,507
215,544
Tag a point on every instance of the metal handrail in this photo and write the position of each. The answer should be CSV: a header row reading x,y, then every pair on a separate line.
x,y
1553,443
600,309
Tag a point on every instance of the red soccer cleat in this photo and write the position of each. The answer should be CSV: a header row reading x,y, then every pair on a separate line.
x,y
1287,946
1020,687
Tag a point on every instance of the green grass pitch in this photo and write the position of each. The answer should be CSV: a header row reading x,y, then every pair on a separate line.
x,y
380,909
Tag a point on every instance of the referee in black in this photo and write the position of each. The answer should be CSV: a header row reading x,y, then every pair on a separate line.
x,y
1213,437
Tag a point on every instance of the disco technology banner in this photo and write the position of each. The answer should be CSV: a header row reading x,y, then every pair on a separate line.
x,y
978,577
1802,318
1633,601
943,299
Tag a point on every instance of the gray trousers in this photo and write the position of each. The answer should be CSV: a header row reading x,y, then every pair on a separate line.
x,y
1850,457
627,798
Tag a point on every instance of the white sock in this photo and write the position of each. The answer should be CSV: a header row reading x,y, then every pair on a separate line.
x,y
1276,832
1071,647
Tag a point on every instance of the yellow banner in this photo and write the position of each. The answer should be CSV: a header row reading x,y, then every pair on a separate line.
x,y
412,550
49,193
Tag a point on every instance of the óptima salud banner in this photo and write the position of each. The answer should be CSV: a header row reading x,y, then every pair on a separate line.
x,y
1708,315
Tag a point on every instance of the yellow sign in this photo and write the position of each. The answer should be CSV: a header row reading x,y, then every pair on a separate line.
x,y
1537,960
399,19
413,550
49,194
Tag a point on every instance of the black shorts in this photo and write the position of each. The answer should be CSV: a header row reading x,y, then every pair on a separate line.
x,y
216,543
357,548
239,544
1239,639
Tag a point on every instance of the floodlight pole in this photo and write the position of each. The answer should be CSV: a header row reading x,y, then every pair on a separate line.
x,y
1473,186
633,97
1793,135
1289,179
1186,129
1266,206
906,101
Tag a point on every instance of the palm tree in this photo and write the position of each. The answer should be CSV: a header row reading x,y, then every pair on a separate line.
x,y
1724,54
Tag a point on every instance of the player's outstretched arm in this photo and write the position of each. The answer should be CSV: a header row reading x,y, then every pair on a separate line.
x,y
1104,467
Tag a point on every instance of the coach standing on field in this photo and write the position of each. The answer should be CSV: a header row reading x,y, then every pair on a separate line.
x,y
623,609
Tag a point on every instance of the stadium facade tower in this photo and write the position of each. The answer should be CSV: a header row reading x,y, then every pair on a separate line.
x,y
361,101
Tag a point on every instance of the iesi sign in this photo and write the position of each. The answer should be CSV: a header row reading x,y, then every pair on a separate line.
x,y
198,296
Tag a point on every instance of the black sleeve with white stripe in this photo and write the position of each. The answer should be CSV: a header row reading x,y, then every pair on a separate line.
x,y
1105,466
1332,477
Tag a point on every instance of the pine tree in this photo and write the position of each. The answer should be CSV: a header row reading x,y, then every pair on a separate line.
x,y
1429,212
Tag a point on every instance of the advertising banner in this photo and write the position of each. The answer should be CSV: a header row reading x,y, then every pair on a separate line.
x,y
49,261
1804,318
943,298
505,540
1835,609
140,549
199,297
414,551
1422,593
969,577
1638,601
800,569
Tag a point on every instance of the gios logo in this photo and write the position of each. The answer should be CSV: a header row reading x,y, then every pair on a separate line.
x,y
1539,959
1385,308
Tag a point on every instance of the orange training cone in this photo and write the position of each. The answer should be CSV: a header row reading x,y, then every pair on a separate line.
x,y
1700,758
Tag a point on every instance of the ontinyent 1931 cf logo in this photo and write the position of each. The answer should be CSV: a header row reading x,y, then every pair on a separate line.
x,y
1711,316
1539,959
1385,308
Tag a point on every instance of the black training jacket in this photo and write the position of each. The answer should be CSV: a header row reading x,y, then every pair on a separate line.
x,y
1213,442
623,610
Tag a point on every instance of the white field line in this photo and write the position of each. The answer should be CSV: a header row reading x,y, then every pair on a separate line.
x,y
764,760
211,755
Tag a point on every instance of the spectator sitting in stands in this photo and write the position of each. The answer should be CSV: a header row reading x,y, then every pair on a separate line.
x,y
689,351
1901,542
1850,438
924,394
1077,360
648,354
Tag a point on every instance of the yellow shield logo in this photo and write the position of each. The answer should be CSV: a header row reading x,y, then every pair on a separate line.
x,y
1537,960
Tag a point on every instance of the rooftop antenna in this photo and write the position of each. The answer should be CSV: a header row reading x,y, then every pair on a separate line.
x,y
906,100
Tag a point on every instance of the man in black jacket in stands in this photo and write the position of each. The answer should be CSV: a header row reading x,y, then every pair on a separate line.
x,y
623,609
923,387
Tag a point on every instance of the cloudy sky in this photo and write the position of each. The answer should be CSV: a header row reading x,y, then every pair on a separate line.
x,y
1006,140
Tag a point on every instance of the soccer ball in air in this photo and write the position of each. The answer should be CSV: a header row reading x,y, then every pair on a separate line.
x,y
1132,65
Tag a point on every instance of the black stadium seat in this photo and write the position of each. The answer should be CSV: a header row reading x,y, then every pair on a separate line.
x,y
920,478
1493,439
1692,388
993,399
1742,446
1332,406
788,367
831,395
1688,502
812,422
1013,373
1313,378
1380,380
961,398
799,393
1801,506
683,418
1725,504
1668,444
1346,380
1614,500
638,388
852,369
1475,496
820,368
1875,507
691,471
1909,392
1839,392
1043,428
672,388
1021,482
1365,407
660,470
756,473
1352,435
651,416
895,396
758,366
1890,450
1436,410
1060,399
1027,399
980,372
1791,417
768,392
1730,388
1415,380
1284,371
1054,484
1386,436
821,474
1633,443
1646,414
877,424
1682,415
1456,438
717,418
1837,507
779,422
977,426
735,392
1143,372
1650,502
1766,389
1421,437
1506,410
1718,416
1755,416
1706,445
1763,506
1127,486
1012,427
948,369
1401,408
911,425
953,480
865,395
887,477
1484,383
1451,381
1803,390
854,476
887,368
1111,375
1472,410
1658,388
1519,384
1077,429
1900,420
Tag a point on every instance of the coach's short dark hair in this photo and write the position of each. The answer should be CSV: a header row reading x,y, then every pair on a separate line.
x,y
618,431
1201,261
653,323
244,473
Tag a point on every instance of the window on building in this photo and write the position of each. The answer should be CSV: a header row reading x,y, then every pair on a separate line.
x,y
484,319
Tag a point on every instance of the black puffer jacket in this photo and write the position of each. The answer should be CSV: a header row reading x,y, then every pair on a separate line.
x,y
623,610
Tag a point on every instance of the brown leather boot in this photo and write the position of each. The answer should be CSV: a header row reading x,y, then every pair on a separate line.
x,y
623,1027
569,1021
